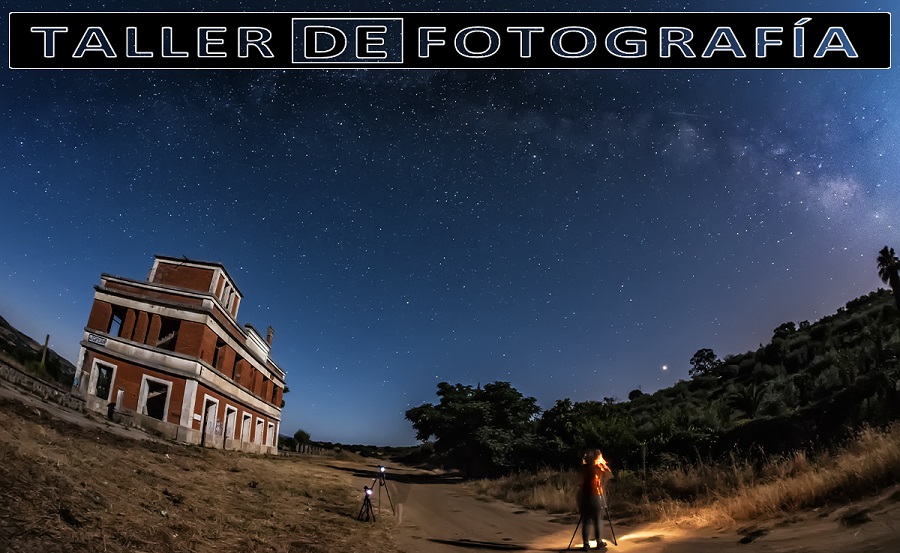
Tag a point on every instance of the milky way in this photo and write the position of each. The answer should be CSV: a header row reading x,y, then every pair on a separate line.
x,y
570,232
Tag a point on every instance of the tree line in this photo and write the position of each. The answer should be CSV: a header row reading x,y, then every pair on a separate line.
x,y
811,386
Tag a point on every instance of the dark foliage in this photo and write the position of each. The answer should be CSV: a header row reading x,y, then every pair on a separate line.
x,y
810,387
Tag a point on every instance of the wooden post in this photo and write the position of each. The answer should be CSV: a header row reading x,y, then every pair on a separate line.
x,y
44,353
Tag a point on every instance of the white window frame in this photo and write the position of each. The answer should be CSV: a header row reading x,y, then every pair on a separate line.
x,y
145,391
270,431
95,371
245,437
260,430
229,409
207,398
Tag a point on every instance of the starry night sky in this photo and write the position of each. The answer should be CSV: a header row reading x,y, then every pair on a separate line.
x,y
571,232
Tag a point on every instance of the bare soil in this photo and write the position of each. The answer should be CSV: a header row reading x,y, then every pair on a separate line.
x,y
74,483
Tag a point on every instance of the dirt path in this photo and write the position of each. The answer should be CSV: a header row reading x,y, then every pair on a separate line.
x,y
12,392
434,514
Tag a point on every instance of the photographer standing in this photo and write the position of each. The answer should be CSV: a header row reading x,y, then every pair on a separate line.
x,y
590,500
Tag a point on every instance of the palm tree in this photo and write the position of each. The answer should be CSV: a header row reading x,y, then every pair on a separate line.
x,y
747,399
889,271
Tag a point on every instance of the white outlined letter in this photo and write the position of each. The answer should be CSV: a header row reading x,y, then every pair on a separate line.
x,y
462,48
639,47
590,42
668,40
425,40
259,41
49,38
204,41
731,43
364,40
525,38
103,44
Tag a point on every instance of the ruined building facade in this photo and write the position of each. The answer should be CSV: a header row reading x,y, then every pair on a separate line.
x,y
172,358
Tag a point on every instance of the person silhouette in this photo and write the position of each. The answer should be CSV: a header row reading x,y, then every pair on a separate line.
x,y
594,471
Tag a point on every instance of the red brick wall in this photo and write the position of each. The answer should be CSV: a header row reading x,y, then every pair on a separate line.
x,y
202,391
267,390
192,278
208,345
190,338
226,365
101,314
196,340
140,327
153,331
155,295
257,383
242,370
279,395
236,333
128,378
128,326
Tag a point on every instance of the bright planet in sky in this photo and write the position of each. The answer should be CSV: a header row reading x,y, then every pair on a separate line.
x,y
558,230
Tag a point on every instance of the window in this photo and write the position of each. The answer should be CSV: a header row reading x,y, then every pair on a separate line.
x,y
217,355
230,419
260,429
245,427
104,379
154,397
168,333
236,369
210,426
115,323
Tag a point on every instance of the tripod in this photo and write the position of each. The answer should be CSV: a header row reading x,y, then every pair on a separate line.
x,y
365,511
382,484
608,518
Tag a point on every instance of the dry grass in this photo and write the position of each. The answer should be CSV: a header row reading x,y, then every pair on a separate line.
x,y
551,490
68,488
707,494
870,463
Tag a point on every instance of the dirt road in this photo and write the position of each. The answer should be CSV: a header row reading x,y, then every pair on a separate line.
x,y
434,514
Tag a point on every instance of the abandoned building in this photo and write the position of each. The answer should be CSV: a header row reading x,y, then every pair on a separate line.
x,y
168,355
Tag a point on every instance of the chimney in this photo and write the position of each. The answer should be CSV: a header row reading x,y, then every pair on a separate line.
x,y
270,333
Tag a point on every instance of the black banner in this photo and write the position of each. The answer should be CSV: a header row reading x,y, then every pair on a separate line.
x,y
507,40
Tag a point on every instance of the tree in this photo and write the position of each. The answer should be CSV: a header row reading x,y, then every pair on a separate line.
x,y
889,271
481,430
784,330
704,363
634,394
302,437
747,399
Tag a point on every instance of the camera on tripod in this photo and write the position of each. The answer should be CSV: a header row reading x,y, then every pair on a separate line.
x,y
366,511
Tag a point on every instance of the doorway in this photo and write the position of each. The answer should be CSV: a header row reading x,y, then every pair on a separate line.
x,y
210,411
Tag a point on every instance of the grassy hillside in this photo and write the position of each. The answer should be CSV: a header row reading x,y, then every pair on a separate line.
x,y
813,384
65,487
810,388
24,352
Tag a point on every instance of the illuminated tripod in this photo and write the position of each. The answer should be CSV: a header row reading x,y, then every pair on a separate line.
x,y
609,518
366,511
382,484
